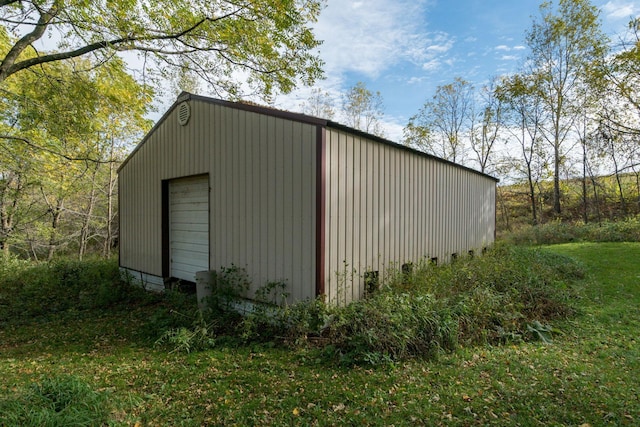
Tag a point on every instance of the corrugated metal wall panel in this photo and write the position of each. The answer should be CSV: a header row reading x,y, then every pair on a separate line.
x,y
262,200
386,206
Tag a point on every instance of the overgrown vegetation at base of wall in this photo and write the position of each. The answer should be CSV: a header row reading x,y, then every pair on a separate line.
x,y
508,295
29,289
627,230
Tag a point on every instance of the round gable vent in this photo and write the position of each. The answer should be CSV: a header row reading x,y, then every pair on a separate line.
x,y
184,113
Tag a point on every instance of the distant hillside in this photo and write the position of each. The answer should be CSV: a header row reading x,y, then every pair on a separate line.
x,y
608,198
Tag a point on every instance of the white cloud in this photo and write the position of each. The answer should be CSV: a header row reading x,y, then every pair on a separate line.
x,y
370,37
505,48
617,9
376,41
450,61
416,80
393,128
294,101
441,44
431,65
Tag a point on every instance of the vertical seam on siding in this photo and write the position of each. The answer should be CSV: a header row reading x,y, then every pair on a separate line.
x,y
320,208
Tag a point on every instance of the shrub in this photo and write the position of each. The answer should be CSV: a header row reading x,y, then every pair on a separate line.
x,y
200,336
173,310
293,324
30,289
391,326
494,296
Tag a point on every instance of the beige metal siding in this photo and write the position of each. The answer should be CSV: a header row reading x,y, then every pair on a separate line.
x,y
140,216
386,206
262,202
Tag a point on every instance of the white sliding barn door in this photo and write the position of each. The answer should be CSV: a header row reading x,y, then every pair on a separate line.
x,y
189,226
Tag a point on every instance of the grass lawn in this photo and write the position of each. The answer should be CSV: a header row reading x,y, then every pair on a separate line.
x,y
589,375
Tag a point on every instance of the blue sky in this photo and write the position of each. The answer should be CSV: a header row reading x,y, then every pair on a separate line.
x,y
406,48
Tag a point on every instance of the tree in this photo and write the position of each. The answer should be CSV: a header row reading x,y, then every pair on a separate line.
x,y
586,131
484,136
319,104
16,165
75,126
618,87
268,41
564,45
524,115
617,83
621,150
363,109
439,125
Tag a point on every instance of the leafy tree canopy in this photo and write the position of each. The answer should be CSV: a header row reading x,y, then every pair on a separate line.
x,y
64,126
268,42
64,107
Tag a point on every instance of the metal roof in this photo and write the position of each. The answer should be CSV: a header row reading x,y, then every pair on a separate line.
x,y
298,117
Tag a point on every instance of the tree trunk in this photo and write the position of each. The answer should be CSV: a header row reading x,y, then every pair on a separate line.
x,y
596,197
12,192
637,175
86,222
532,194
503,209
623,203
556,180
5,230
108,240
585,212
56,214
540,202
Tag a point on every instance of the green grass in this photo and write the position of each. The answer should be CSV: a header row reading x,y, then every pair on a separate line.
x,y
589,375
56,401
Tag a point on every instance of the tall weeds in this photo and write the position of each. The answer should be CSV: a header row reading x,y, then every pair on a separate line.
x,y
627,230
491,299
